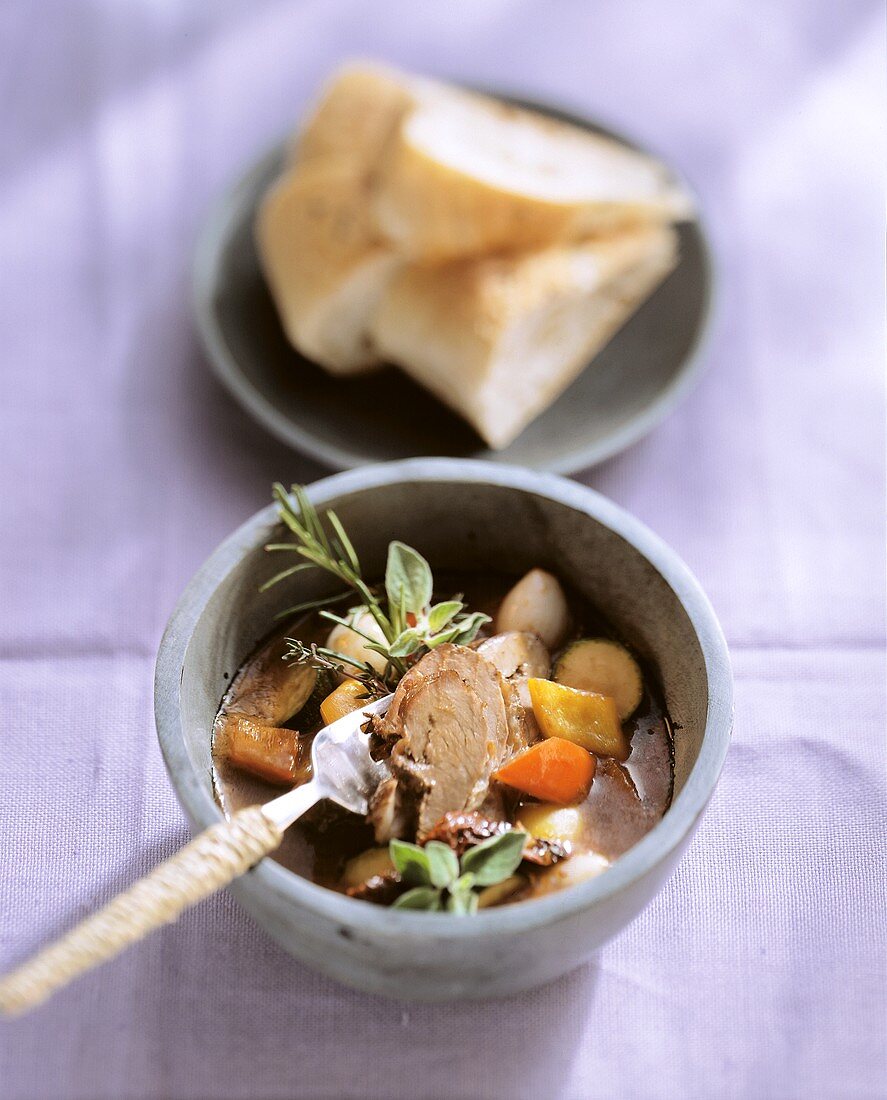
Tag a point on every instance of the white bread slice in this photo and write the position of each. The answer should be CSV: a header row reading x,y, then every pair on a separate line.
x,y
499,338
319,245
356,116
324,266
466,175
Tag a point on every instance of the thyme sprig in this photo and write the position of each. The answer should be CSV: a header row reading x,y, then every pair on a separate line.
x,y
408,622
320,657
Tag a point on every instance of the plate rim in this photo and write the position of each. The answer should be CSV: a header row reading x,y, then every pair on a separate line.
x,y
216,229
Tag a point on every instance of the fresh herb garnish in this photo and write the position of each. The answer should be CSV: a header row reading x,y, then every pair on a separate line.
x,y
410,625
321,658
440,881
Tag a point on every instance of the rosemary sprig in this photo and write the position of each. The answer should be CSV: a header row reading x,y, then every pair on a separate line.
x,y
410,626
335,554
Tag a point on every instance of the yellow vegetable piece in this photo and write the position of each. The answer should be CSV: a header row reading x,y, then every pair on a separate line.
x,y
348,696
548,821
588,719
374,861
500,891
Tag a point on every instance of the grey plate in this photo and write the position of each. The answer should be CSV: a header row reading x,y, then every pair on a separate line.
x,y
639,376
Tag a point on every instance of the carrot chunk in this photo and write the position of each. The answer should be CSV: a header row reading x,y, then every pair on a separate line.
x,y
555,770
269,752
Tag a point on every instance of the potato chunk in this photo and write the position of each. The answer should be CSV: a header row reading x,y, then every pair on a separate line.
x,y
270,689
588,719
549,821
506,890
374,861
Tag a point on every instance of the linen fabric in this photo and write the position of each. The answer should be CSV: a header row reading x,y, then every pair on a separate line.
x,y
759,970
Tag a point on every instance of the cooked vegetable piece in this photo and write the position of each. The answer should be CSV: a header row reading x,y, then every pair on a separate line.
x,y
536,604
271,690
501,891
267,751
367,865
548,821
587,719
555,770
348,642
582,867
349,695
605,667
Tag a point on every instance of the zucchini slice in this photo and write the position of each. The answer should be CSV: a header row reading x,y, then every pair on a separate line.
x,y
603,666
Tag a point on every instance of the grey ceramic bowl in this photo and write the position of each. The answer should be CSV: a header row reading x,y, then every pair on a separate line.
x,y
460,514
642,373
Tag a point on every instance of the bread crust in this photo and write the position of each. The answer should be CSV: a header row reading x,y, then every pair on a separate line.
x,y
445,190
499,338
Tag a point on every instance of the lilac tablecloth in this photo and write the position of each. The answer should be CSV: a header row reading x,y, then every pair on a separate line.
x,y
759,970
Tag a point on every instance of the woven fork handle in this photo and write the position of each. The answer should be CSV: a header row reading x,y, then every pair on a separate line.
x,y
208,863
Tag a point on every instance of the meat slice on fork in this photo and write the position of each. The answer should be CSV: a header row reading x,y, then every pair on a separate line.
x,y
447,730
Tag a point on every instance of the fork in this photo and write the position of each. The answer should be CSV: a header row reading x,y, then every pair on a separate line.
x,y
343,771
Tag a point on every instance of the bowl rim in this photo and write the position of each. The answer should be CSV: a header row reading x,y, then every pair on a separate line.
x,y
272,880
224,215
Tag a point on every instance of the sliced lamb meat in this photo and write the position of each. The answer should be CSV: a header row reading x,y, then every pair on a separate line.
x,y
518,655
463,831
448,730
388,817
500,803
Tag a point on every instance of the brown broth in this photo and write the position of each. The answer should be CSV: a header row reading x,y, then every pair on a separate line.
x,y
625,801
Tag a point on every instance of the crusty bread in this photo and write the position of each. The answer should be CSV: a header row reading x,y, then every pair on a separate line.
x,y
499,338
324,266
466,175
319,245
487,250
356,116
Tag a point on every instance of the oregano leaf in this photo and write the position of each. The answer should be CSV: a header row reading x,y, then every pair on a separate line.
x,y
463,884
407,642
495,859
411,861
420,897
441,613
459,903
408,580
448,635
469,626
443,866
462,898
